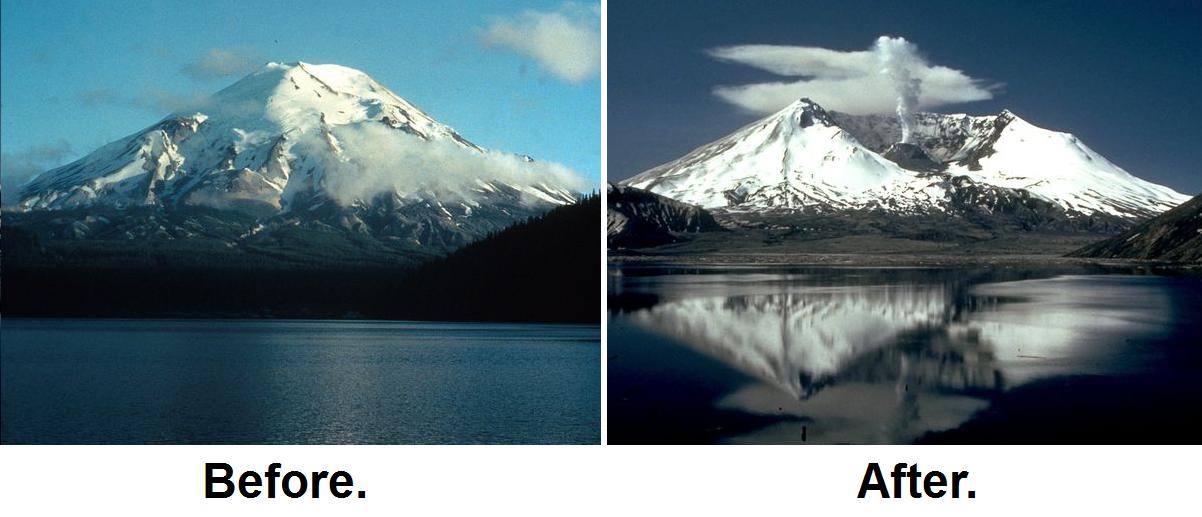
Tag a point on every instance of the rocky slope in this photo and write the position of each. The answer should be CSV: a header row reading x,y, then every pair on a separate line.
x,y
637,218
1174,236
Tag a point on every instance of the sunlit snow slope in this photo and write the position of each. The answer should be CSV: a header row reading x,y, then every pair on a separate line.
x,y
804,158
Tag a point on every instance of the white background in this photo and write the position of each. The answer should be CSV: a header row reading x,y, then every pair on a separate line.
x,y
609,480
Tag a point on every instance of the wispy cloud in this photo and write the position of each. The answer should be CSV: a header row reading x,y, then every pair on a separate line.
x,y
565,42
221,63
18,168
161,101
214,64
156,101
847,81
101,97
378,159
41,55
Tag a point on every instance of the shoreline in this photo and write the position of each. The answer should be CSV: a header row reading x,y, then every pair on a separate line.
x,y
883,260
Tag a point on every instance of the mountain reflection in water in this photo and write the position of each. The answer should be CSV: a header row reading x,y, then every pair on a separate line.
x,y
886,356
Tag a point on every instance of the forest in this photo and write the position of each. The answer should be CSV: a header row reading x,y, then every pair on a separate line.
x,y
544,269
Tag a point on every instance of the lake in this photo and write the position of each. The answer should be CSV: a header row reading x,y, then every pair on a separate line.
x,y
297,382
979,355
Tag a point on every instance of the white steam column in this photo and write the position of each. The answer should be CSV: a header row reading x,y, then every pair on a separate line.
x,y
898,59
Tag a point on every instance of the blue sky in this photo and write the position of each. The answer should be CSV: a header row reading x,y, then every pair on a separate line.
x,y
78,74
1125,77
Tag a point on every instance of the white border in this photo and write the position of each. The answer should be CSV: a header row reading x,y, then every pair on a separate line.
x,y
609,480
604,221
606,480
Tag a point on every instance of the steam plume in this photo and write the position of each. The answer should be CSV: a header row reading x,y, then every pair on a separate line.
x,y
848,81
899,59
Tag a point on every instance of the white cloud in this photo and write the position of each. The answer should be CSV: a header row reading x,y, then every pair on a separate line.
x,y
160,100
378,159
220,63
18,168
100,97
153,100
565,42
851,82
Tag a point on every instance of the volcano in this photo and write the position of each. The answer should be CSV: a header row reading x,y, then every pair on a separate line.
x,y
999,169
295,148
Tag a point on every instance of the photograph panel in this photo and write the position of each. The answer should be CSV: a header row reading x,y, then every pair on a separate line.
x,y
914,222
284,247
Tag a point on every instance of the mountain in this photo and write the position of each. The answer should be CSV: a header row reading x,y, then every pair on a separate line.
x,y
1008,152
998,169
637,218
1174,236
293,149
797,158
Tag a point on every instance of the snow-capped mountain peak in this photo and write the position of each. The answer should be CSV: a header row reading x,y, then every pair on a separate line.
x,y
1007,151
794,158
805,112
805,158
283,132
301,96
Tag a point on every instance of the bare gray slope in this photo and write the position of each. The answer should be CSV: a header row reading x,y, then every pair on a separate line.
x,y
1174,236
637,218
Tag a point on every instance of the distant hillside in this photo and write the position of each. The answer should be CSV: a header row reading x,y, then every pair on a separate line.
x,y
1174,236
638,218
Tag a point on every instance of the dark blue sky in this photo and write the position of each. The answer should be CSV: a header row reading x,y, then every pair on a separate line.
x,y
1125,77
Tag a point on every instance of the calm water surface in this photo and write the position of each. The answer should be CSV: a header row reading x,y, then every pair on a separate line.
x,y
144,381
961,355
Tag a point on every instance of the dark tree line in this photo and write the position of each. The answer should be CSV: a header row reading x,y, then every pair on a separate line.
x,y
546,268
